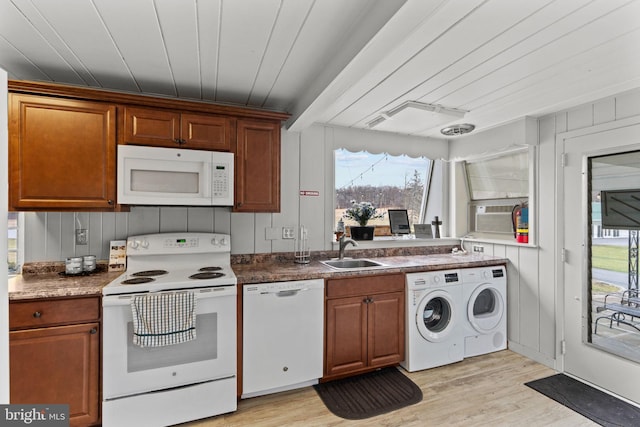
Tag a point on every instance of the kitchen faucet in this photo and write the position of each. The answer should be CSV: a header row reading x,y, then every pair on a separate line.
x,y
343,243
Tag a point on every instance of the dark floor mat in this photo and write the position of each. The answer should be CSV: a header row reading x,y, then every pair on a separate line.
x,y
370,394
592,403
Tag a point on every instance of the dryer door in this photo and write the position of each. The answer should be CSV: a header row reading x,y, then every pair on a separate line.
x,y
485,308
435,316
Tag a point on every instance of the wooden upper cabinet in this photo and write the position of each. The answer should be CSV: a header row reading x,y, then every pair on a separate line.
x,y
61,154
63,144
207,132
257,183
166,128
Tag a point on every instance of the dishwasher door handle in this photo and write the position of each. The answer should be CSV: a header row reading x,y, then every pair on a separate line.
x,y
285,293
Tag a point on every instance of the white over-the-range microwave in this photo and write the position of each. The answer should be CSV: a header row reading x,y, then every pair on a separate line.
x,y
173,176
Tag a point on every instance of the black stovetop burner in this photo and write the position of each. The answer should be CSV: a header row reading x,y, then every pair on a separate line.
x,y
150,273
138,280
207,269
206,275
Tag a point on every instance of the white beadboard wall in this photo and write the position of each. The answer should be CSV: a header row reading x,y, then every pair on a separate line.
x,y
533,322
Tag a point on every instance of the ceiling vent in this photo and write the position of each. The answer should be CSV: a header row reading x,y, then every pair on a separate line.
x,y
457,130
414,117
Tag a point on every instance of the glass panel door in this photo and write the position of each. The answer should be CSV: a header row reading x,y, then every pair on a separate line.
x,y
614,221
595,163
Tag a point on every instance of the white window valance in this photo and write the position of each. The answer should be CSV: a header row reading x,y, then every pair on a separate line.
x,y
377,142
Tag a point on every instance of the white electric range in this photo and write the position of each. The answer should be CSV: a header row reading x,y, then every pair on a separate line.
x,y
171,384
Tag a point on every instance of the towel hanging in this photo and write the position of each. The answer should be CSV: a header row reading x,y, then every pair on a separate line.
x,y
162,319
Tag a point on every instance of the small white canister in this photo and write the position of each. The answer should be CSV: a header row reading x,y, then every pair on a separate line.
x,y
89,263
73,265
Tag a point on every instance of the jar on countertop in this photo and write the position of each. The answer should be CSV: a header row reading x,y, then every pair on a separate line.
x,y
74,265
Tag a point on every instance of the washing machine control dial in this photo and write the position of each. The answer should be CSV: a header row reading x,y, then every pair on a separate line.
x,y
486,274
436,279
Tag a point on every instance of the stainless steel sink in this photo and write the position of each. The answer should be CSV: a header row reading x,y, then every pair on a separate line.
x,y
350,263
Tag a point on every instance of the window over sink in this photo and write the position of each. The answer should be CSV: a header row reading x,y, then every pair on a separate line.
x,y
387,181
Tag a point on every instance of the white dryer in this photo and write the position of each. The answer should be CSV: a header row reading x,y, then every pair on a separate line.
x,y
485,313
434,334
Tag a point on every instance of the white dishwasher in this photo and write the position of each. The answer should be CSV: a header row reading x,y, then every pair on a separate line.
x,y
282,336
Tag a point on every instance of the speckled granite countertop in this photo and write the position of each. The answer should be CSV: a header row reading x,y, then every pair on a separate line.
x,y
279,271
43,280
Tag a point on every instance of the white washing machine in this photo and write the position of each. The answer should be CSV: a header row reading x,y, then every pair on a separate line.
x,y
434,334
485,312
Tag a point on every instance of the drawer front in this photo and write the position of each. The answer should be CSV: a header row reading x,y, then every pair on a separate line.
x,y
364,285
35,314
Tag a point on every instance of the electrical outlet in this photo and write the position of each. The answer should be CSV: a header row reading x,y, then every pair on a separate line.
x,y
288,233
477,248
82,236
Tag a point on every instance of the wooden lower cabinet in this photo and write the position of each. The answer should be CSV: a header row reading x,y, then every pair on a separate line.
x,y
364,324
57,364
346,347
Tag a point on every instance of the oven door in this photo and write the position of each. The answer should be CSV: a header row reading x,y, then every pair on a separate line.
x,y
163,176
129,369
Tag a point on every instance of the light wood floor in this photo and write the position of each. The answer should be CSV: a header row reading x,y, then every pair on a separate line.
x,y
485,390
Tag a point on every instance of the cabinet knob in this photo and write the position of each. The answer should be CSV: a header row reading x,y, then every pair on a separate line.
x,y
111,202
93,331
37,314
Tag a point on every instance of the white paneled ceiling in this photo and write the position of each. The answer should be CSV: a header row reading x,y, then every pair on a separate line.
x,y
339,62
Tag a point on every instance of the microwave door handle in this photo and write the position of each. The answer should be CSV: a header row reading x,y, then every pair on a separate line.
x,y
206,180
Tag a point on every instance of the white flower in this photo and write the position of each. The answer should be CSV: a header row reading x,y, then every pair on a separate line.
x,y
362,212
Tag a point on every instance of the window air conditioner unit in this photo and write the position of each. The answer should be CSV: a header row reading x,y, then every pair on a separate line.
x,y
494,219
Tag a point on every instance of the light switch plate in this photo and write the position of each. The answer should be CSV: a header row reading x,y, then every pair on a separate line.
x,y
271,233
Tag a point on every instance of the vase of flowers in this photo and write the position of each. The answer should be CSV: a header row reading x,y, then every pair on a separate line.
x,y
361,213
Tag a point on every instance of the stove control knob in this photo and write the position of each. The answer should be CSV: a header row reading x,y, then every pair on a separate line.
x,y
214,241
223,241
134,244
145,244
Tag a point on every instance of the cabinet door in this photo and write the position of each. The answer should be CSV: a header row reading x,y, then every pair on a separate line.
x,y
148,126
58,365
346,335
62,154
257,184
385,329
207,132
